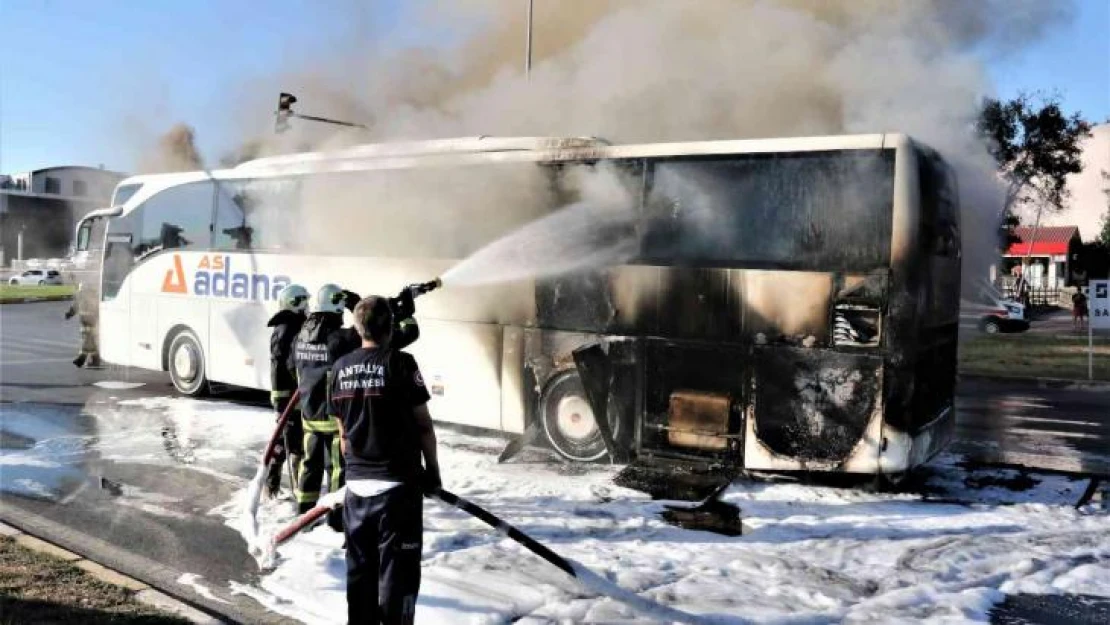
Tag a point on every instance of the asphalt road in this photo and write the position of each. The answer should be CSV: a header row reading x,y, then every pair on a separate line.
x,y
151,520
37,347
1013,422
90,499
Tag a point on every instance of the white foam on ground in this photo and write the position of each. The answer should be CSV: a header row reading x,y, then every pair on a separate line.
x,y
192,580
118,385
813,554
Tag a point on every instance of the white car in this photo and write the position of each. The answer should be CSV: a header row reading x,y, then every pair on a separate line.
x,y
1005,316
37,276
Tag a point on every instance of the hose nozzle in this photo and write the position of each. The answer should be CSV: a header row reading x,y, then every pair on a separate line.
x,y
424,287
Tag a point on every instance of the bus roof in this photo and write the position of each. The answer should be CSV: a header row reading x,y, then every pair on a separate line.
x,y
461,145
505,149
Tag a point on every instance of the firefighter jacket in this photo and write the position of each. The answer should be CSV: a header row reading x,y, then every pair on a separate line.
x,y
286,325
321,342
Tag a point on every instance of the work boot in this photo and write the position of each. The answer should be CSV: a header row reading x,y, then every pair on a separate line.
x,y
79,361
94,362
295,467
273,480
335,519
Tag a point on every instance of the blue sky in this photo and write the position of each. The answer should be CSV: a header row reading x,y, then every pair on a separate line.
x,y
87,81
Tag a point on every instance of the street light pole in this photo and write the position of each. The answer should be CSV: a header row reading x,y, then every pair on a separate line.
x,y
528,45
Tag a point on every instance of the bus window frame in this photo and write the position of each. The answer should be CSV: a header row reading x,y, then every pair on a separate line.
x,y
889,156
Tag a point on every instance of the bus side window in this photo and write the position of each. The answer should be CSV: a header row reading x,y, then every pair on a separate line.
x,y
176,218
948,212
230,230
256,215
118,257
84,233
940,218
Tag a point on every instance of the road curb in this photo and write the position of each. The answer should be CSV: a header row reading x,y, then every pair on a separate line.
x,y
35,300
144,592
1055,383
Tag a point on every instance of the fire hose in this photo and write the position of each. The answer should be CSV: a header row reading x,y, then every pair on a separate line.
x,y
332,501
254,491
266,555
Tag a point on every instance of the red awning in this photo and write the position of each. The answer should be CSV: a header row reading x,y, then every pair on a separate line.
x,y
1050,241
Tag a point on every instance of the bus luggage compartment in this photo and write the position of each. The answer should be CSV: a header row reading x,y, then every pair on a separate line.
x,y
775,407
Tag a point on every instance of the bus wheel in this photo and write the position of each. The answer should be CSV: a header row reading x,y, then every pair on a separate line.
x,y
186,364
568,420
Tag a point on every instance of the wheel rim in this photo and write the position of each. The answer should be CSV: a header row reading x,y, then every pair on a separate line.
x,y
186,362
575,419
992,328
569,421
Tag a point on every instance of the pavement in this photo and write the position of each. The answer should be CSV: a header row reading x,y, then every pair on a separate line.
x,y
155,523
161,527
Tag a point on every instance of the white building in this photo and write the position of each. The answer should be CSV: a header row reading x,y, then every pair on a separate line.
x,y
39,209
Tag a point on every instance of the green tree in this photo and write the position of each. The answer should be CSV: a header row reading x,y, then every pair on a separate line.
x,y
1037,146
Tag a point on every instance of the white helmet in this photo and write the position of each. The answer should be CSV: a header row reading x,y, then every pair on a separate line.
x,y
329,299
293,298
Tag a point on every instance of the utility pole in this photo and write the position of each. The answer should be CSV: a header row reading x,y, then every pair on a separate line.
x,y
528,44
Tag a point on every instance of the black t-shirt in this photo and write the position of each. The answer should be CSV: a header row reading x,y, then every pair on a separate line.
x,y
373,392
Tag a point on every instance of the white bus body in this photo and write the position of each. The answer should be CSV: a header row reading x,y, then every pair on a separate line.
x,y
476,342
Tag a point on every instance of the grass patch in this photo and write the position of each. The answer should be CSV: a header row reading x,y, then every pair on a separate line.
x,y
40,588
10,292
1034,356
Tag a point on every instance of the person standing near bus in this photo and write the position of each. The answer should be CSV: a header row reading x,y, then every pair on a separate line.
x,y
379,398
286,324
321,342
1079,319
85,306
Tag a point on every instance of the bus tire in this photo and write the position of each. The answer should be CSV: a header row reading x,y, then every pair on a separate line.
x,y
186,364
568,421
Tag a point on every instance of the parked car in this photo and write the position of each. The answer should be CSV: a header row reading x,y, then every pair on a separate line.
x,y
37,276
1004,316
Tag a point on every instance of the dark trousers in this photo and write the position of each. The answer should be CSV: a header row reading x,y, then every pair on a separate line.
x,y
384,538
321,457
290,442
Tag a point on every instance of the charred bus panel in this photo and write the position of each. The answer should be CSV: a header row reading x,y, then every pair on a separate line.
x,y
787,312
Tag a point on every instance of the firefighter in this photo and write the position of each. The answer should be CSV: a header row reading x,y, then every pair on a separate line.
x,y
286,324
379,398
405,328
85,307
322,340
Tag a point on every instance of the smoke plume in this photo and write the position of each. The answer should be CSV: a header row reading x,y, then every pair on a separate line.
x,y
662,70
176,150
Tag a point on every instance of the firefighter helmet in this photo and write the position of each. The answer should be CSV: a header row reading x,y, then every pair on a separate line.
x,y
330,298
294,298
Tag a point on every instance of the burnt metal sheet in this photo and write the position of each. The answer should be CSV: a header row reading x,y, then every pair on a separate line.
x,y
699,419
813,404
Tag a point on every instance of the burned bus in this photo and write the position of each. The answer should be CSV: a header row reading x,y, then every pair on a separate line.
x,y
777,305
